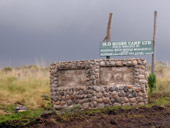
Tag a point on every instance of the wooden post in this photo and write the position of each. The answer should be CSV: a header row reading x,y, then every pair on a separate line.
x,y
154,42
107,38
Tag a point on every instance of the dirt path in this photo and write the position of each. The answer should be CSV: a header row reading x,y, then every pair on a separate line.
x,y
155,117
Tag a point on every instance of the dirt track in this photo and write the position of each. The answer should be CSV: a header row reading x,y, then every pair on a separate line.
x,y
155,117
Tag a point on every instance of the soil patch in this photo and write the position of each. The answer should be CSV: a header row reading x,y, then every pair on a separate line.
x,y
154,117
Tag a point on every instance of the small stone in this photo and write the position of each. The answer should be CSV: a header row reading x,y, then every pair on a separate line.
x,y
126,100
57,103
85,105
62,102
83,101
101,105
117,104
125,88
62,93
99,95
127,94
134,104
132,100
129,86
143,67
112,63
111,89
130,90
126,104
121,94
99,100
134,63
106,100
139,99
129,63
121,87
102,63
91,105
140,94
116,89
141,76
114,94
142,81
134,94
69,102
113,122
138,89
112,100
142,103
118,63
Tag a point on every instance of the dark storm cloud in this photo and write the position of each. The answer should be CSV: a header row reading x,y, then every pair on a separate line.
x,y
72,29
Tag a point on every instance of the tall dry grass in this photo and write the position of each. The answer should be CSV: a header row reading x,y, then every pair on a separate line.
x,y
162,71
24,85
28,84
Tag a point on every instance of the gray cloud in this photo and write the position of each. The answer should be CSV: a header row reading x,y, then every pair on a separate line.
x,y
72,29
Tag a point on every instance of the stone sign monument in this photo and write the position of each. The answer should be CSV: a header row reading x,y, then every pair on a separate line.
x,y
98,83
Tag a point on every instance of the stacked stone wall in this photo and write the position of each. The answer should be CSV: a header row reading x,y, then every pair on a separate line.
x,y
98,83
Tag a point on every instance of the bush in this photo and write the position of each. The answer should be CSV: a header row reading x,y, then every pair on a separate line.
x,y
152,82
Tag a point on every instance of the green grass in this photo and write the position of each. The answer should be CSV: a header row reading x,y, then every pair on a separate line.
x,y
21,118
29,86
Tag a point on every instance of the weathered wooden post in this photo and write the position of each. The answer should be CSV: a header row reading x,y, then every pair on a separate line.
x,y
154,42
107,38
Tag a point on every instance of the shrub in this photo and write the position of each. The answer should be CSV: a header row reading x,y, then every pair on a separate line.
x,y
152,82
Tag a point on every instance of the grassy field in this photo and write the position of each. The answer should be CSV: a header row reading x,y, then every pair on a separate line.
x,y
29,86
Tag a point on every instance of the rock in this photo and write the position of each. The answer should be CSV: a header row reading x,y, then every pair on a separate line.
x,y
138,89
112,100
102,63
62,102
118,63
134,94
117,104
83,101
101,105
106,100
121,94
134,104
113,122
132,100
21,108
99,95
140,94
116,89
69,102
141,76
114,94
85,105
112,63
126,100
57,103
91,105
126,104
141,103
134,63
142,81
125,89
130,90
111,89
129,86
99,100
139,99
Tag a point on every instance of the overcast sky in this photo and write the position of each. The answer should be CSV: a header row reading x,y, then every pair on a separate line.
x,y
60,30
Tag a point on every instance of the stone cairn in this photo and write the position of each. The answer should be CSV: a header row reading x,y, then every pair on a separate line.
x,y
93,95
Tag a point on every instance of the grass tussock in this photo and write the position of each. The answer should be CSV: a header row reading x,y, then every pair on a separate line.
x,y
161,95
25,85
